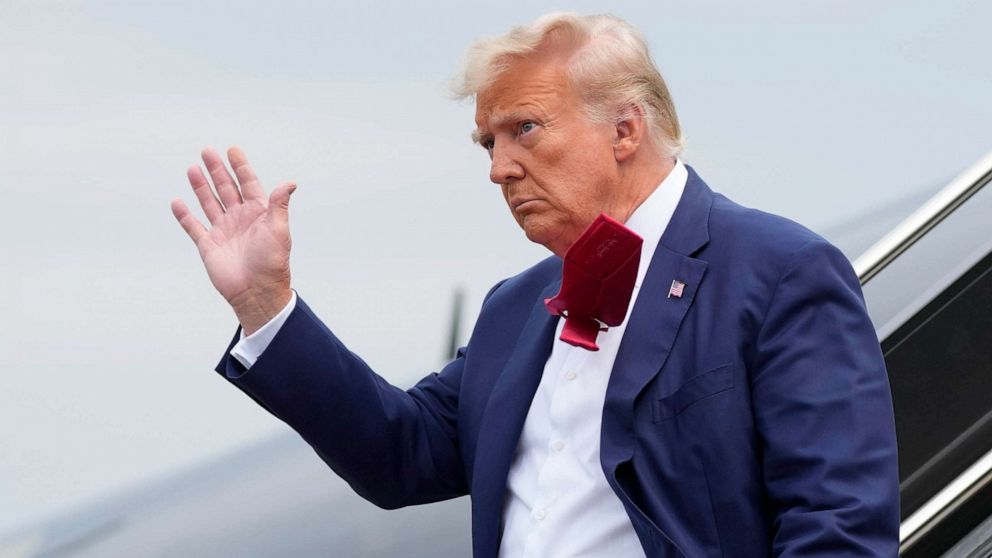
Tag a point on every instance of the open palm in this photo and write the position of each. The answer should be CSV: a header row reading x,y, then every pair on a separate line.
x,y
246,249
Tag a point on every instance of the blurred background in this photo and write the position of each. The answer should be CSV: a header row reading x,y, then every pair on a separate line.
x,y
826,112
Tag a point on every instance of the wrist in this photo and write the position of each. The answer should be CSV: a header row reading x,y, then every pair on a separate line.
x,y
255,309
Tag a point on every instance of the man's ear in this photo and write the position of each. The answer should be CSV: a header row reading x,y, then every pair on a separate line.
x,y
630,131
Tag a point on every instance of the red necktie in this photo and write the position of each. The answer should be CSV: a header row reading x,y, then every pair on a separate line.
x,y
597,281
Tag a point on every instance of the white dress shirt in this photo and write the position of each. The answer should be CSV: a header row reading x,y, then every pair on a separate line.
x,y
249,348
558,503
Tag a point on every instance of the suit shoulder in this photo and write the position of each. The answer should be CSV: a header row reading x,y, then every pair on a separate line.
x,y
758,236
525,285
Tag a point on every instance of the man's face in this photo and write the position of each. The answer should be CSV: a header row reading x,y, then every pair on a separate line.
x,y
557,169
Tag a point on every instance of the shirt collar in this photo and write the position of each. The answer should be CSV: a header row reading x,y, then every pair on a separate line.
x,y
651,218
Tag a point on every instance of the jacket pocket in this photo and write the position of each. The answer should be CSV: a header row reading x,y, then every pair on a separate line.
x,y
708,383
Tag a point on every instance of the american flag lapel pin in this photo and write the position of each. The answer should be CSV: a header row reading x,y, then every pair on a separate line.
x,y
676,290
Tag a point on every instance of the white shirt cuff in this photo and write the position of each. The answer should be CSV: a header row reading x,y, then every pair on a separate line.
x,y
248,349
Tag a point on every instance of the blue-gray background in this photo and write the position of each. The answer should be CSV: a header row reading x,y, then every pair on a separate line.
x,y
818,110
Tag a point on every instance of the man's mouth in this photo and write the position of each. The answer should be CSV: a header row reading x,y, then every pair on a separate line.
x,y
517,203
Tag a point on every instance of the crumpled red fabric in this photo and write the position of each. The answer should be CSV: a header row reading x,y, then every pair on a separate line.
x,y
598,275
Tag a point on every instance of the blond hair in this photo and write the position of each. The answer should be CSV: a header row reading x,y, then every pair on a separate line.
x,y
610,68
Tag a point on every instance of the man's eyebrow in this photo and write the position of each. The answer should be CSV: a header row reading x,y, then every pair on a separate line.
x,y
497,119
500,118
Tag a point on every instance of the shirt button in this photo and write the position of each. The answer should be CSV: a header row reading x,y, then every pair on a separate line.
x,y
570,375
540,515
558,445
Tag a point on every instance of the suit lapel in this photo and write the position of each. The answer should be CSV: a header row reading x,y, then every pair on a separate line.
x,y
654,323
655,320
503,420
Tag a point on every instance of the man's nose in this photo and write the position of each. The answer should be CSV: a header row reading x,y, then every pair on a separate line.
x,y
504,166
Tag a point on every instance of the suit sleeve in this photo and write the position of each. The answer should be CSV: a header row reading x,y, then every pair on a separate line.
x,y
394,447
824,414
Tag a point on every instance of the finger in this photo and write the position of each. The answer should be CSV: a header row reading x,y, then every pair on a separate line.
x,y
227,189
250,187
190,224
279,201
201,187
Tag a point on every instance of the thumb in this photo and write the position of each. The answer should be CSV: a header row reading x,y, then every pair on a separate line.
x,y
279,200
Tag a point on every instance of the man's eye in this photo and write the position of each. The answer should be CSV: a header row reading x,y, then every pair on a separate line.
x,y
487,145
527,126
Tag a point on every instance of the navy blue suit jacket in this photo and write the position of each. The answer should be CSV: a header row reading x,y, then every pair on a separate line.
x,y
750,417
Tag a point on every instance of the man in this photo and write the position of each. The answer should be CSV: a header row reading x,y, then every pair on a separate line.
x,y
741,409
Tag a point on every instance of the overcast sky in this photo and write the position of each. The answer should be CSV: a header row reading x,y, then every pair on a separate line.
x,y
814,110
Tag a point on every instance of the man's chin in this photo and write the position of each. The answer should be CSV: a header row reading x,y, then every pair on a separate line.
x,y
553,239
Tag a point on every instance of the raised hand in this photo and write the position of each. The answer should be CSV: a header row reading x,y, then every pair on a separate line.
x,y
246,248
